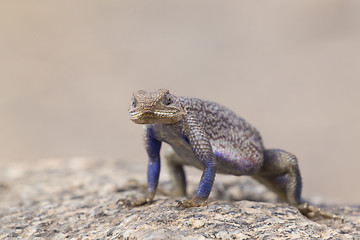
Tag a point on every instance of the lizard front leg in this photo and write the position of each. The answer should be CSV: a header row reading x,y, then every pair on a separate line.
x,y
201,147
152,146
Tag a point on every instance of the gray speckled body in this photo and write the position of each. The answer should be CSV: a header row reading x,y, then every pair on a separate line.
x,y
210,137
236,144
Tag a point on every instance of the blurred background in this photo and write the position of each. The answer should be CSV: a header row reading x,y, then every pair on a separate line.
x,y
291,68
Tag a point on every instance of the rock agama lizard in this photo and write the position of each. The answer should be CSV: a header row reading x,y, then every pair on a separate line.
x,y
214,139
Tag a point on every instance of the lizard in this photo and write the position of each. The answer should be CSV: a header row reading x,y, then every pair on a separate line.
x,y
214,139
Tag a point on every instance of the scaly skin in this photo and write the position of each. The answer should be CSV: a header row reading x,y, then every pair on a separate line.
x,y
212,138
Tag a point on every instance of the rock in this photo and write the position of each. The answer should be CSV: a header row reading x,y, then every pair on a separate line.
x,y
225,220
75,198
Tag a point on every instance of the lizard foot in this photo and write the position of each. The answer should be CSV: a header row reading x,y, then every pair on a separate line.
x,y
133,202
312,211
195,202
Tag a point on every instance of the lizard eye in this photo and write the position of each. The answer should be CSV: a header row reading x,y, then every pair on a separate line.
x,y
167,99
133,102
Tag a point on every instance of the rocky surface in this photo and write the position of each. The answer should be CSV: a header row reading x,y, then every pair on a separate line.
x,y
75,199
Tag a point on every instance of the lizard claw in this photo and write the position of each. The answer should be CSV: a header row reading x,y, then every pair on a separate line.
x,y
126,202
195,202
312,211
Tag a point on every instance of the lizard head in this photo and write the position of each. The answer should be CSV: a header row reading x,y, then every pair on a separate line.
x,y
158,107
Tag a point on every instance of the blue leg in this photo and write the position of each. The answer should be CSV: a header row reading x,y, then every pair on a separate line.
x,y
201,147
153,150
206,181
204,189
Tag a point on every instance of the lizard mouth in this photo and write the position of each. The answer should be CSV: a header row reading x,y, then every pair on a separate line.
x,y
157,116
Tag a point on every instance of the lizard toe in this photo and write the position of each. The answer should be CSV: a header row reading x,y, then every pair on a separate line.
x,y
126,202
195,202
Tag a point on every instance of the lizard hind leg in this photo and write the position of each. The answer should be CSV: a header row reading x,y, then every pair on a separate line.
x,y
177,175
281,174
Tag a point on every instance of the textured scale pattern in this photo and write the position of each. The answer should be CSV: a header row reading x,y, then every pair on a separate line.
x,y
214,139
236,144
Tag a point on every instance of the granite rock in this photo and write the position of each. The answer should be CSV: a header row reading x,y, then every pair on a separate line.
x,y
76,199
